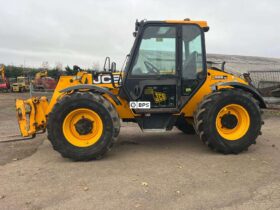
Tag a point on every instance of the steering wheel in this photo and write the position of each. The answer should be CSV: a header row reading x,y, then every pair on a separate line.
x,y
151,67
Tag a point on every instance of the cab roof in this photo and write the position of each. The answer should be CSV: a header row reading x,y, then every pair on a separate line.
x,y
201,23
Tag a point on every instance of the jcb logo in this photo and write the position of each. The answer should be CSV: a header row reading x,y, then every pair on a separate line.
x,y
106,79
159,97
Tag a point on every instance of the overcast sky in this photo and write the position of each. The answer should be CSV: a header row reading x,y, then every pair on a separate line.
x,y
86,31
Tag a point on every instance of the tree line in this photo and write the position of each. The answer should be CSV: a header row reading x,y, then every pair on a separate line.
x,y
16,71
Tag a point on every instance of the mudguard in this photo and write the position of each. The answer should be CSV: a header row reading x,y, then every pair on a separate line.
x,y
93,88
248,88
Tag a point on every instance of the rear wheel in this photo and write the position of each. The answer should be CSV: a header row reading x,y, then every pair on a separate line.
x,y
83,126
228,121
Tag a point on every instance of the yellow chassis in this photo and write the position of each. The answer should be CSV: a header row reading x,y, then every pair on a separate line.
x,y
32,113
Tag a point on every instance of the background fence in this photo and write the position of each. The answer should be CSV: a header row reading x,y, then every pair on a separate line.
x,y
267,82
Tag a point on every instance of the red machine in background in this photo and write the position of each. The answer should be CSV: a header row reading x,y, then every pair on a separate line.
x,y
4,82
43,82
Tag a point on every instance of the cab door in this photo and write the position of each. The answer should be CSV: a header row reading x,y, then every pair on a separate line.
x,y
152,75
193,60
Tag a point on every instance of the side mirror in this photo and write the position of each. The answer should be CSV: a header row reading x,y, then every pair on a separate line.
x,y
223,65
137,24
113,67
107,64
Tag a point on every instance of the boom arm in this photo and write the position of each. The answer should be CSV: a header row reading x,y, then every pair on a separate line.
x,y
41,74
2,71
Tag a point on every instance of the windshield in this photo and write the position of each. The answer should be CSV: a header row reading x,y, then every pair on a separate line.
x,y
157,52
21,80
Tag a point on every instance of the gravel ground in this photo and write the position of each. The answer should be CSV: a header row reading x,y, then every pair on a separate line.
x,y
143,171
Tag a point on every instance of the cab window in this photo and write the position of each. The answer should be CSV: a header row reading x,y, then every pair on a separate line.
x,y
157,52
192,52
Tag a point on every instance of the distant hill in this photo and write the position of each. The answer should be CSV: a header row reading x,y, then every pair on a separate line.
x,y
241,64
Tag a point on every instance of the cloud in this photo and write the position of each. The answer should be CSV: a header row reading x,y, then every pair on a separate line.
x,y
85,32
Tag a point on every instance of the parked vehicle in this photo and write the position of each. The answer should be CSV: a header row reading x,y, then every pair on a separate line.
x,y
43,82
22,84
4,82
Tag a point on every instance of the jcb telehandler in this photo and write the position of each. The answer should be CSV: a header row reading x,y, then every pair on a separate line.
x,y
165,83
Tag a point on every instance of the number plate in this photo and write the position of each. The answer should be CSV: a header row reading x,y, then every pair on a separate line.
x,y
140,104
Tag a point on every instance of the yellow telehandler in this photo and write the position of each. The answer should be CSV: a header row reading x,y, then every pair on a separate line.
x,y
165,83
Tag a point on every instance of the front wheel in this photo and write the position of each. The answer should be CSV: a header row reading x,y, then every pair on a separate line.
x,y
83,126
228,121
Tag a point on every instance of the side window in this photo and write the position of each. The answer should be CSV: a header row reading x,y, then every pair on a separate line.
x,y
192,52
157,52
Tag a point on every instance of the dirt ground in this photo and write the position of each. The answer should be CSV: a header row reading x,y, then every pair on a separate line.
x,y
143,171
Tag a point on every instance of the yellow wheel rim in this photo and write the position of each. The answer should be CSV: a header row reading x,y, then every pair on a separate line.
x,y
233,122
82,127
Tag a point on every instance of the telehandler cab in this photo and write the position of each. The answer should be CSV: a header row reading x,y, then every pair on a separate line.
x,y
165,83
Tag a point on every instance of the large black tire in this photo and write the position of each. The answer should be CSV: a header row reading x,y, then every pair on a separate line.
x,y
205,120
183,125
88,100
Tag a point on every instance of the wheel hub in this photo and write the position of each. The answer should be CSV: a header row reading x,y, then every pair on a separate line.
x,y
229,121
84,126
